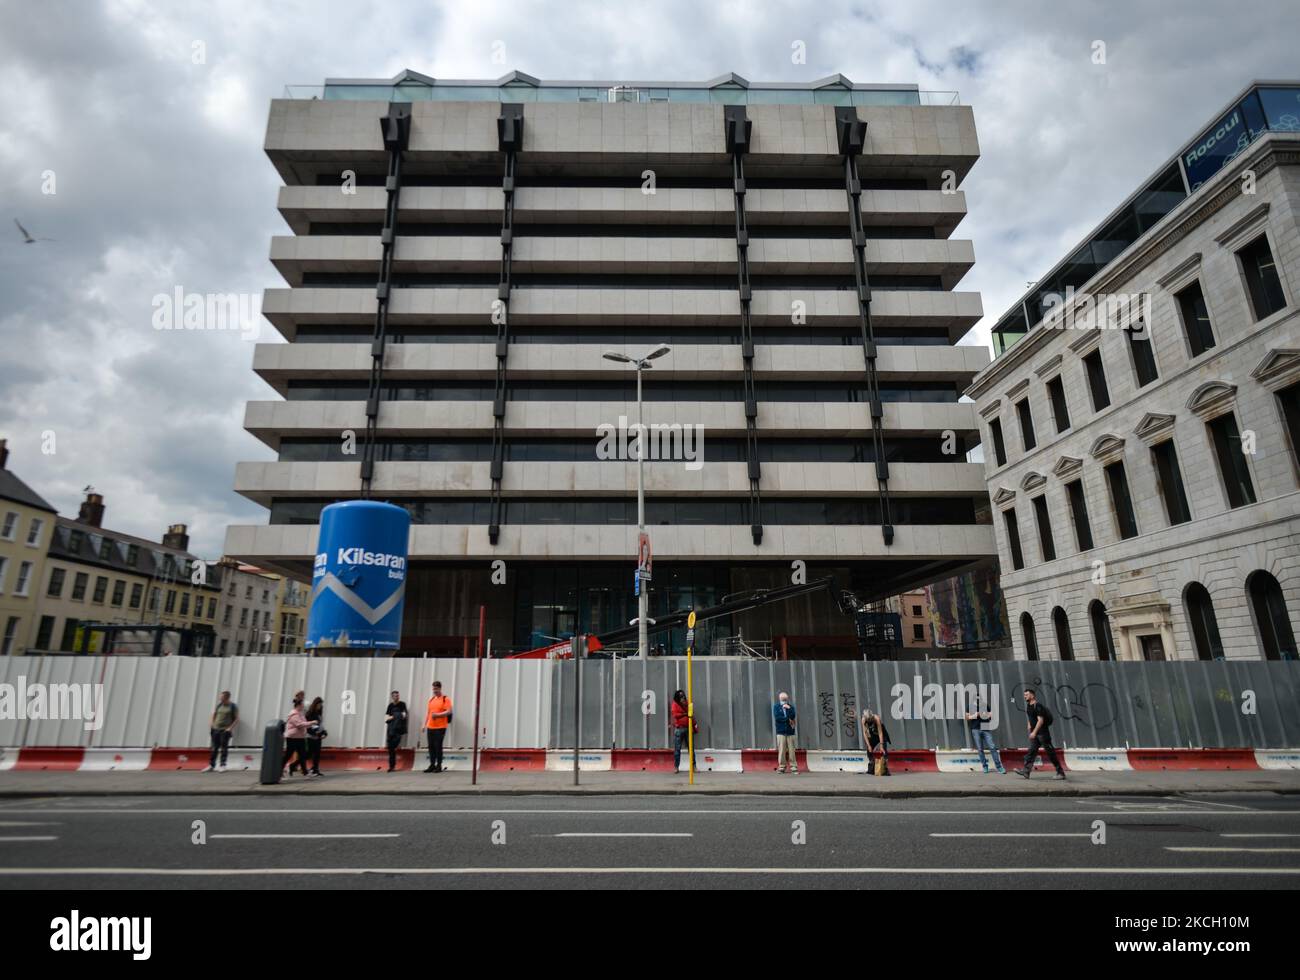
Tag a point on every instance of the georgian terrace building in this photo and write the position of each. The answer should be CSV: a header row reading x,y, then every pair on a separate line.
x,y
1142,459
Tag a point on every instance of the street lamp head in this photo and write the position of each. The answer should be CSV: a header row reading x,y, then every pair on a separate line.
x,y
613,355
659,351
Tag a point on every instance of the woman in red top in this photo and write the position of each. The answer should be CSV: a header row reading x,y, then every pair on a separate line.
x,y
681,720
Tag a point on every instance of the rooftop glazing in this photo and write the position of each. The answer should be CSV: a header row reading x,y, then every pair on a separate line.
x,y
1264,107
731,89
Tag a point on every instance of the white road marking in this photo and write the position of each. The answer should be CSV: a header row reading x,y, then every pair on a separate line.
x,y
24,839
1236,850
1259,835
1011,835
621,835
1232,806
800,811
657,870
291,836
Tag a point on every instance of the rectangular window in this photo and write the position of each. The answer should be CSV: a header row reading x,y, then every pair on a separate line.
x,y
137,593
916,610
999,447
101,589
1261,278
57,575
1289,399
1044,528
1013,538
239,647
24,578
212,607
153,599
1097,381
79,584
170,604
1060,411
918,629
132,554
1026,424
185,604
34,532
1232,461
1196,319
1144,358
119,592
1079,511
11,630
1170,483
1121,502
4,566
225,616
45,633
10,526
243,613
223,647
69,634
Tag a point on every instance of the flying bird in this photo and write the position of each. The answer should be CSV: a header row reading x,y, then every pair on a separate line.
x,y
27,235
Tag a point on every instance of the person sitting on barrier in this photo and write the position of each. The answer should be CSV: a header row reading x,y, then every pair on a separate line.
x,y
681,724
437,719
783,717
978,719
1040,735
315,734
295,737
222,727
875,736
395,720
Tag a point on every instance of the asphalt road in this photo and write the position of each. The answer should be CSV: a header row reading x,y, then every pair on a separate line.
x,y
1216,841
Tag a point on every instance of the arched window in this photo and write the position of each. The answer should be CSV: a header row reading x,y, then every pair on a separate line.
x,y
1061,624
1271,618
1205,626
1101,634
1027,630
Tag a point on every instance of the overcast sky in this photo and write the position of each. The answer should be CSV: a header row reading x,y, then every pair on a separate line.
x,y
160,179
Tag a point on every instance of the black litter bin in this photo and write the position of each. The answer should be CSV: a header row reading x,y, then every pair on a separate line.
x,y
272,752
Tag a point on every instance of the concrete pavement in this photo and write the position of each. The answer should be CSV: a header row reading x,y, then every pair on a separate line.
x,y
901,786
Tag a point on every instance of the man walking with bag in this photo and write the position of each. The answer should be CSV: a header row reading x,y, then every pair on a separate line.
x,y
395,720
1040,735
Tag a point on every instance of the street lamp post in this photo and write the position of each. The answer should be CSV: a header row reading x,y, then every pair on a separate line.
x,y
643,599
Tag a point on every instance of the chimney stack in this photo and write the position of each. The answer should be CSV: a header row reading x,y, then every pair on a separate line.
x,y
4,452
92,510
177,538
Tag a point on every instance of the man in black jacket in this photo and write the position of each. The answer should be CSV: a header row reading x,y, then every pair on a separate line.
x,y
1040,735
395,719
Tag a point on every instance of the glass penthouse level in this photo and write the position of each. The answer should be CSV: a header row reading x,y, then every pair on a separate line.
x,y
1264,107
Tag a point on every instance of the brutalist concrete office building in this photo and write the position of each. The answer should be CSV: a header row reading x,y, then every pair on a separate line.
x,y
462,255
1142,417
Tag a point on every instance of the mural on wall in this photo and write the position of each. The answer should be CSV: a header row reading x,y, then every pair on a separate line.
x,y
968,610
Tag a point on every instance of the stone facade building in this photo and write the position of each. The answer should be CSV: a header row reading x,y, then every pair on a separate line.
x,y
1142,457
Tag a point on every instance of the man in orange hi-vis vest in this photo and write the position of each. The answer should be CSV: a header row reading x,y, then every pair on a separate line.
x,y
436,721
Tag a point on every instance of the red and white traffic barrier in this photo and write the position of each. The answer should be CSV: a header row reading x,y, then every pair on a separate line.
x,y
76,759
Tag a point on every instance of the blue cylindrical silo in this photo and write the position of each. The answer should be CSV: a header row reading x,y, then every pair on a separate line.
x,y
359,580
